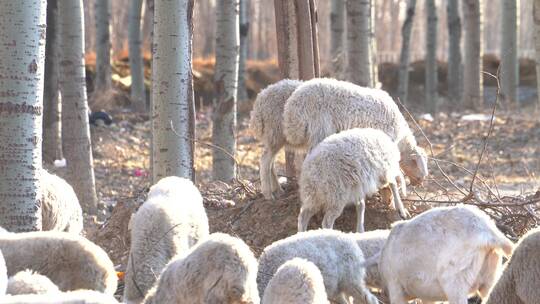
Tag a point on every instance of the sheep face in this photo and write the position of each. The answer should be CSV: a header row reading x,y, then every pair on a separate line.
x,y
415,165
234,286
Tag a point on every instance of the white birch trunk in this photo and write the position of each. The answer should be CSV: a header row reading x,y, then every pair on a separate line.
x,y
431,73
359,47
244,44
403,74
226,84
454,52
172,91
138,94
473,90
509,50
22,32
76,131
103,45
536,18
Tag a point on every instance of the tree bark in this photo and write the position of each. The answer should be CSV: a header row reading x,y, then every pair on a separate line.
x,y
22,32
337,30
431,57
52,112
406,29
359,47
244,44
226,85
138,94
454,52
473,90
76,131
509,50
103,45
536,19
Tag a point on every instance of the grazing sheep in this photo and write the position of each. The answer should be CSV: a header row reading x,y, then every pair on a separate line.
x,y
444,254
171,221
372,243
266,121
322,106
60,208
298,281
346,168
70,261
71,297
520,280
335,253
28,282
3,275
219,269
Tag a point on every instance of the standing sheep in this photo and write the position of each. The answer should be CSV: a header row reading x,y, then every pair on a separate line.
x,y
219,269
335,253
171,221
71,297
266,121
520,280
346,168
444,254
321,107
28,282
70,261
298,281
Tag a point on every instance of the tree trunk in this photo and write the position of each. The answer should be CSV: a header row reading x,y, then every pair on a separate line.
x,y
431,57
226,85
403,77
173,106
22,32
103,46
337,30
359,48
209,36
244,44
148,25
138,94
52,113
473,90
454,52
536,18
509,50
76,131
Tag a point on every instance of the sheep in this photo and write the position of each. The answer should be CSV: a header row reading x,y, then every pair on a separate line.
x,y
372,243
3,275
335,253
60,208
171,221
298,281
346,168
71,297
521,275
29,282
219,269
444,254
266,121
70,261
322,106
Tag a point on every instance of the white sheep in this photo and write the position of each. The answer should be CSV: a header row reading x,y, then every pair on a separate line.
x,y
29,282
60,207
70,261
71,297
266,121
520,279
444,254
346,168
323,106
219,269
171,221
3,275
335,253
372,243
298,281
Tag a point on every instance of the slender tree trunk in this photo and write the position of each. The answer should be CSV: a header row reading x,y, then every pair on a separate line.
x,y
103,45
431,57
138,94
454,52
473,90
52,112
226,84
406,29
359,48
509,50
76,131
148,25
536,18
337,30
244,44
22,32
174,119
210,38
373,46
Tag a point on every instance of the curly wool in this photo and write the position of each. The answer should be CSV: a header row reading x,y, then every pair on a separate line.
x,y
171,221
521,275
335,253
219,269
346,168
444,254
29,282
298,281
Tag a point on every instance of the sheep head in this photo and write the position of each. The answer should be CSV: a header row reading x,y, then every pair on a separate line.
x,y
414,165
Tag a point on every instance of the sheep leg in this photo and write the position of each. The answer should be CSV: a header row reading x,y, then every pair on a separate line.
x,y
276,187
396,293
265,172
360,210
303,218
330,217
362,295
403,213
489,273
341,299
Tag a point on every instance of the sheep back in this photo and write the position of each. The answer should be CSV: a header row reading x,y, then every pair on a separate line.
x,y
28,282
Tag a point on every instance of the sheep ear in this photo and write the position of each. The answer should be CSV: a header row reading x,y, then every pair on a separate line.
x,y
421,162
